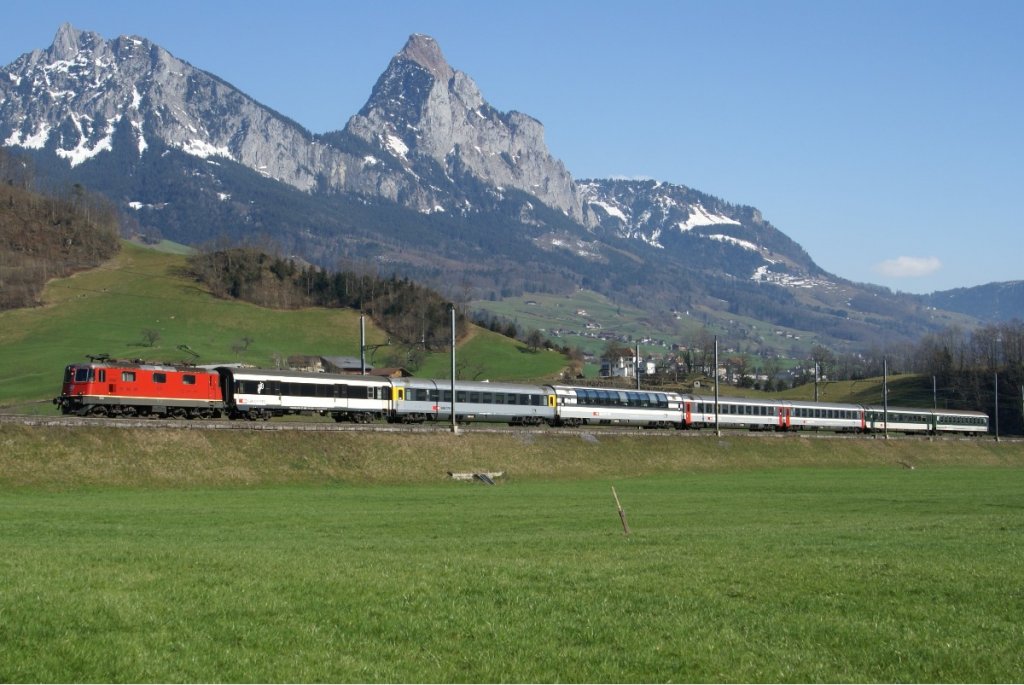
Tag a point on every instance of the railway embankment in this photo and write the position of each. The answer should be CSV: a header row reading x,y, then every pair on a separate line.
x,y
57,457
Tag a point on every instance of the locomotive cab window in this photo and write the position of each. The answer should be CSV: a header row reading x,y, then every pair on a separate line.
x,y
188,379
159,377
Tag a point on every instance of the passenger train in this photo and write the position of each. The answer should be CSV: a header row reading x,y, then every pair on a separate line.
x,y
120,388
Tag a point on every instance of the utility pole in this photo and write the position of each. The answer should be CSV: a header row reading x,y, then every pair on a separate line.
x,y
718,430
455,425
885,395
637,366
362,344
997,405
815,381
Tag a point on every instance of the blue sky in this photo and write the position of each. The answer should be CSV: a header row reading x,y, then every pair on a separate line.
x,y
887,138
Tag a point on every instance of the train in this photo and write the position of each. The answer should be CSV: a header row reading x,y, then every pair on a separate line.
x,y
114,388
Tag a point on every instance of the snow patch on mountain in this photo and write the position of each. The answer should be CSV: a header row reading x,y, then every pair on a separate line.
x,y
745,244
702,217
397,146
33,141
610,210
203,150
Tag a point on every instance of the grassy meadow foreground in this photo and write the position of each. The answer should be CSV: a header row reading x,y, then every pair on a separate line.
x,y
179,555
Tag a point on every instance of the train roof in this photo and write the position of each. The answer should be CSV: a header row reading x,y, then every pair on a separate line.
x,y
732,399
284,374
645,391
472,386
822,405
137,364
925,410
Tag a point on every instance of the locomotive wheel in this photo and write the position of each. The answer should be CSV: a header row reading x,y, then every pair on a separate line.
x,y
98,410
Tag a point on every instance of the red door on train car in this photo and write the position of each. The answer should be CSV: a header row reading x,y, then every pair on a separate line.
x,y
784,418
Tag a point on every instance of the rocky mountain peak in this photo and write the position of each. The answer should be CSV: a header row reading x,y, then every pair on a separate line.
x,y
426,115
69,41
424,51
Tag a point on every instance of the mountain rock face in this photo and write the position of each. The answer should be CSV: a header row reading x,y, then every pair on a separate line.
x,y
428,116
423,120
73,97
663,215
427,180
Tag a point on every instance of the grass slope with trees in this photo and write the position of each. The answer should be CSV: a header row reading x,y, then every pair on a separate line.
x,y
144,303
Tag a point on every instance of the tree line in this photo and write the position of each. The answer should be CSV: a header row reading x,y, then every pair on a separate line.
x,y
44,236
414,316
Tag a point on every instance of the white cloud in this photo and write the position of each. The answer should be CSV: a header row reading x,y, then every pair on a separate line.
x,y
908,267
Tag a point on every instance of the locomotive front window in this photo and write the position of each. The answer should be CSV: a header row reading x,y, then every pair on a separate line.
x,y
83,375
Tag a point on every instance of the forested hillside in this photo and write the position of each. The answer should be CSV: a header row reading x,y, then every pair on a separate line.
x,y
412,315
45,236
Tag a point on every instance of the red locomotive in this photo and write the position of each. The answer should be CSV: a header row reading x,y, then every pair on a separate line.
x,y
131,388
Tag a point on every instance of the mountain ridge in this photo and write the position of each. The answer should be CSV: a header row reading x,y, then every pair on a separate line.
x,y
427,180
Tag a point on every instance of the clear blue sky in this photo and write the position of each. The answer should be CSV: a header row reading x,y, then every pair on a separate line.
x,y
887,138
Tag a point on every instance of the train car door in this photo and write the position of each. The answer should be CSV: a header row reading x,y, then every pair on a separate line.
x,y
784,417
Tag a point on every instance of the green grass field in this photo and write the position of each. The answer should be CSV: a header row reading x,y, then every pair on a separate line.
x,y
790,575
180,555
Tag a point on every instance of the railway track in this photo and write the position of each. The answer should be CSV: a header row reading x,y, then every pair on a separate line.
x,y
325,427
